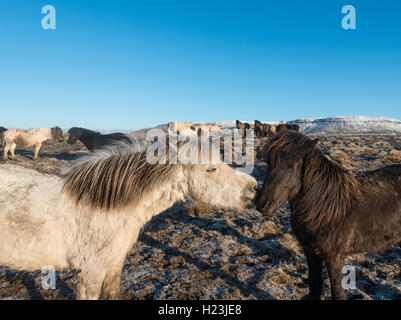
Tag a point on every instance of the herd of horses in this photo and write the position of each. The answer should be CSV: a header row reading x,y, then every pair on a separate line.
x,y
90,217
92,140
265,129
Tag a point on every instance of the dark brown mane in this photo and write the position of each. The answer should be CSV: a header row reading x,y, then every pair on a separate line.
x,y
57,133
327,188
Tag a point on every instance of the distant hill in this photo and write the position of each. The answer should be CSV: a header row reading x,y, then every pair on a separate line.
x,y
340,125
349,125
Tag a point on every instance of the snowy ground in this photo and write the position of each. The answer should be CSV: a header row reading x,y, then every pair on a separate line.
x,y
193,252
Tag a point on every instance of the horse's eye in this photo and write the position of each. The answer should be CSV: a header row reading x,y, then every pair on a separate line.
x,y
211,169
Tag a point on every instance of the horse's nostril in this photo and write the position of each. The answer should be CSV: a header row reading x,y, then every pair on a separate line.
x,y
252,189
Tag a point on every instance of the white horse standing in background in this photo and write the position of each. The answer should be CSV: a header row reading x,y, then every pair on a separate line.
x,y
192,128
91,218
36,137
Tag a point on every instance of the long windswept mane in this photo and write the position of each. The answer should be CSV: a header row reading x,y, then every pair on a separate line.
x,y
327,188
114,178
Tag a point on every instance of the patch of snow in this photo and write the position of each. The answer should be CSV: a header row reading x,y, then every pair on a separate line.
x,y
337,125
349,125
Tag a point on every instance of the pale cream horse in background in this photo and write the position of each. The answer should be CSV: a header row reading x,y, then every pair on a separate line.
x,y
23,138
191,128
91,218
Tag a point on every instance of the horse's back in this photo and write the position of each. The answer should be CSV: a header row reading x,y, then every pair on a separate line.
x,y
375,217
29,219
388,174
20,187
117,136
104,140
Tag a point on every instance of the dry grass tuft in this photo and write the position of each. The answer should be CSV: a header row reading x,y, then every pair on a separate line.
x,y
340,157
198,208
394,155
366,151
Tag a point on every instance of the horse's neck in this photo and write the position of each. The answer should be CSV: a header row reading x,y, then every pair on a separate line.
x,y
321,203
160,199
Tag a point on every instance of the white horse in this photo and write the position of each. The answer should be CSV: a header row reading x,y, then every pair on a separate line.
x,y
192,129
91,217
36,137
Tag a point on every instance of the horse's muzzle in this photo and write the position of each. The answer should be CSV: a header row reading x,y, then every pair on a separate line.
x,y
266,207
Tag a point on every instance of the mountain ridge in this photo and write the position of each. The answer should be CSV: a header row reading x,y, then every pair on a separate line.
x,y
339,125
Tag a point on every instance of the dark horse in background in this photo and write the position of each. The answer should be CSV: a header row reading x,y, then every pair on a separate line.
x,y
2,129
94,140
333,213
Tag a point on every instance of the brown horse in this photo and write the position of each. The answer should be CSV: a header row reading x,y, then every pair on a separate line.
x,y
244,125
266,130
287,126
94,140
333,213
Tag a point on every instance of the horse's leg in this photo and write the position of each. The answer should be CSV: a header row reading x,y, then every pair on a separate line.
x,y
334,268
6,148
12,150
315,266
36,154
90,284
111,285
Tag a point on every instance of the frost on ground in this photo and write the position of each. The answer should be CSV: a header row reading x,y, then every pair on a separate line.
x,y
195,252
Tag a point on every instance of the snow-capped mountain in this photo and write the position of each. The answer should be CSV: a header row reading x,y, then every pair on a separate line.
x,y
349,125
339,125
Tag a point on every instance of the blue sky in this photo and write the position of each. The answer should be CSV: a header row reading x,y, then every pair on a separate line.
x,y
134,64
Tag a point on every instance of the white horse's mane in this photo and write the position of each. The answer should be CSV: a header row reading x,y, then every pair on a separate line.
x,y
117,176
